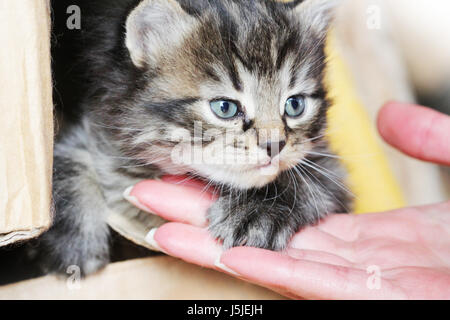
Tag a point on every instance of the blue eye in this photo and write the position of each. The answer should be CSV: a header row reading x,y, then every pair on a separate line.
x,y
295,106
224,109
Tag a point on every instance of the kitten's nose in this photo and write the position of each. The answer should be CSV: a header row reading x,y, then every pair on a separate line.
x,y
273,148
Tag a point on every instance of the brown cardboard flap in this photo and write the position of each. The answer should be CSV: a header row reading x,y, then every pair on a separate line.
x,y
26,121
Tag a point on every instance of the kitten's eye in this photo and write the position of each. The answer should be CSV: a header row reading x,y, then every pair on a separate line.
x,y
295,106
224,109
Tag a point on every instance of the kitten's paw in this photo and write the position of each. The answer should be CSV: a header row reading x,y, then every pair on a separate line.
x,y
258,230
58,253
93,265
86,265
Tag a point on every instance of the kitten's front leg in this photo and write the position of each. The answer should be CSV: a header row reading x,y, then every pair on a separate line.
x,y
79,235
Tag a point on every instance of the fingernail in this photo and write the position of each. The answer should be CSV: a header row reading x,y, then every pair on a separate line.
x,y
150,239
134,201
225,268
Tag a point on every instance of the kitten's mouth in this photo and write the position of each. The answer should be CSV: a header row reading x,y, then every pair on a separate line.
x,y
268,165
269,169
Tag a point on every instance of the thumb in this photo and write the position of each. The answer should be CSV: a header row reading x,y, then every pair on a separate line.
x,y
417,131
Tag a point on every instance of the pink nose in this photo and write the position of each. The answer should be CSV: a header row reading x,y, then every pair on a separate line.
x,y
273,148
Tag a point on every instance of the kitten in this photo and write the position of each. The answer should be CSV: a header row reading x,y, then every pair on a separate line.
x,y
242,79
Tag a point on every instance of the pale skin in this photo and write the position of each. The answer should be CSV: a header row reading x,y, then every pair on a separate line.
x,y
409,248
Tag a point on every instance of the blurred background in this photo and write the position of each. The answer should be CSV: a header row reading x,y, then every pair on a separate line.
x,y
404,43
422,30
399,50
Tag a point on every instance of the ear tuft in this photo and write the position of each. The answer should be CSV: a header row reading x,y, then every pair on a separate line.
x,y
317,13
153,27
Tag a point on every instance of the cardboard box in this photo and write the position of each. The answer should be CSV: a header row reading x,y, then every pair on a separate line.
x,y
26,121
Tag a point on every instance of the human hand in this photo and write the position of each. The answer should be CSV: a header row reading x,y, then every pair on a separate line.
x,y
407,250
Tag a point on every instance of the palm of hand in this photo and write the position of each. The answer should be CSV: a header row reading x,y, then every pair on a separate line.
x,y
384,255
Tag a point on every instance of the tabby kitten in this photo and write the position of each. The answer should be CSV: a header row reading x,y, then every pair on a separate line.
x,y
235,81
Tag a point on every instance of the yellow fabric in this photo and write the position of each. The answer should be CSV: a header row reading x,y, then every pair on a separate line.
x,y
354,138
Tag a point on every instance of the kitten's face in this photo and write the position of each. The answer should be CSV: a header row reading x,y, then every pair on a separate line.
x,y
241,80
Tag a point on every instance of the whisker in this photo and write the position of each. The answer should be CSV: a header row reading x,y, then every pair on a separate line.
x,y
326,189
338,156
292,177
142,165
324,207
323,154
309,189
324,173
117,128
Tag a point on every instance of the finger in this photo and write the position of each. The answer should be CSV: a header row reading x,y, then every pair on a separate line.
x,y
417,131
179,203
193,245
189,243
312,280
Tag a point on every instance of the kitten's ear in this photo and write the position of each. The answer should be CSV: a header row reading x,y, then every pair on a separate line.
x,y
316,13
153,27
